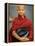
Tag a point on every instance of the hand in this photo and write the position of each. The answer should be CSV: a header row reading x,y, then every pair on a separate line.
x,y
21,39
24,39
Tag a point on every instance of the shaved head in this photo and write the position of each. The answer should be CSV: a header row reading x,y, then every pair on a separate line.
x,y
20,9
20,6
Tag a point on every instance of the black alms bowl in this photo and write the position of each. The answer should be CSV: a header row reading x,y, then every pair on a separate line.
x,y
22,32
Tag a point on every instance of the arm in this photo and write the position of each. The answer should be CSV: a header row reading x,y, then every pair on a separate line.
x,y
18,37
15,35
30,31
30,35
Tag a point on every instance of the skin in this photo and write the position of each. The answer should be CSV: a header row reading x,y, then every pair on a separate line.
x,y
21,12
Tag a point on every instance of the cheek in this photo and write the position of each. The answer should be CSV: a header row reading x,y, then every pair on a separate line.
x,y
21,12
18,12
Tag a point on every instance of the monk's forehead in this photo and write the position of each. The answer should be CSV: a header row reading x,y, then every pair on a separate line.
x,y
19,6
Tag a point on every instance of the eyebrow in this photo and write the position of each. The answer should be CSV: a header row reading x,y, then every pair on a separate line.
x,y
18,7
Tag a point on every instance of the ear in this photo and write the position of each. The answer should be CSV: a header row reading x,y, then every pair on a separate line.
x,y
17,8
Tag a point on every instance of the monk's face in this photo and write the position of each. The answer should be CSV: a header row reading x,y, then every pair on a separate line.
x,y
21,9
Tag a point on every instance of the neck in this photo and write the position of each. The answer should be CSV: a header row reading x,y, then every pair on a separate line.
x,y
21,16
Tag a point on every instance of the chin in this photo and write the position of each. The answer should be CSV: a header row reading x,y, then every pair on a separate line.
x,y
21,14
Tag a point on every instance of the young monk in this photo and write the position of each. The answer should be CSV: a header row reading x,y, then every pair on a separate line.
x,y
20,22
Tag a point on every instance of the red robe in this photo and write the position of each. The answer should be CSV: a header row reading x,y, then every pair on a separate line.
x,y
23,22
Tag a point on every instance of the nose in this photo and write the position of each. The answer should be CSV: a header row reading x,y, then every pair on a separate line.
x,y
21,11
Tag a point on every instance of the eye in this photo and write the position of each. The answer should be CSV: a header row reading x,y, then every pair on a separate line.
x,y
19,9
22,9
